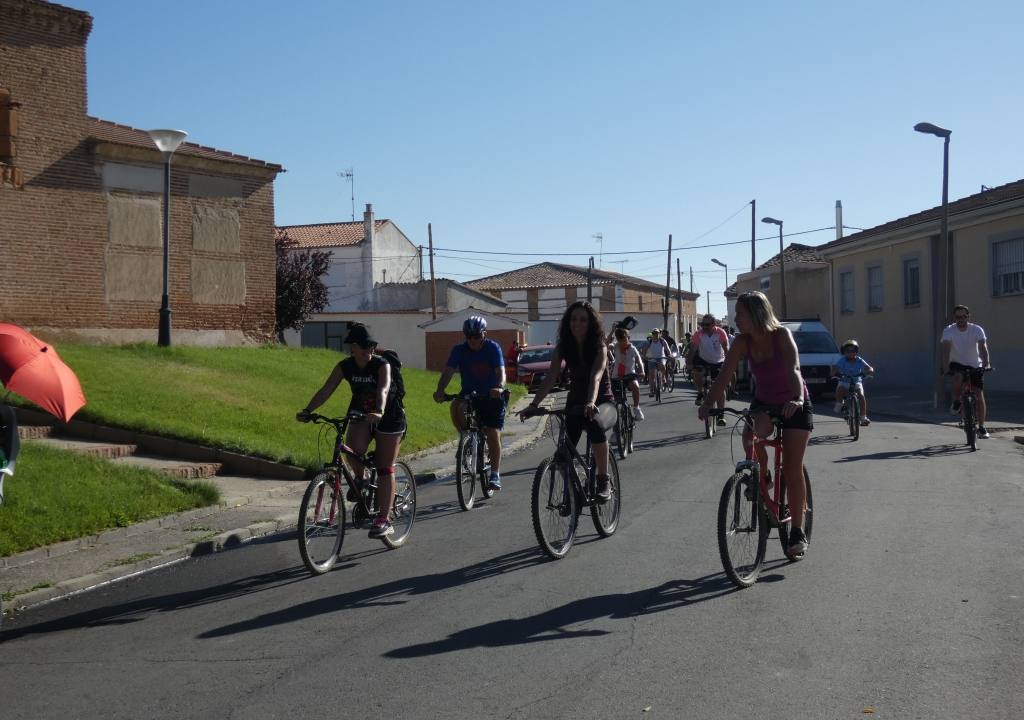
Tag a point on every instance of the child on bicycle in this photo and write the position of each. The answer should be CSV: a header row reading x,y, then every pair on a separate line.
x,y
626,362
851,368
369,376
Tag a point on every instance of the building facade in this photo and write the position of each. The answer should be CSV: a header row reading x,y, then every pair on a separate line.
x,y
807,284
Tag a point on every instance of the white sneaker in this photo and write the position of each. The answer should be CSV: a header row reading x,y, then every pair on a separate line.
x,y
638,414
864,421
837,407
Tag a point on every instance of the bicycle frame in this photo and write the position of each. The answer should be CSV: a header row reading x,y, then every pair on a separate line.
x,y
772,498
568,455
342,450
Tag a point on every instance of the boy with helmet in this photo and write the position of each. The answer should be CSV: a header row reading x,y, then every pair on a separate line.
x,y
481,367
851,368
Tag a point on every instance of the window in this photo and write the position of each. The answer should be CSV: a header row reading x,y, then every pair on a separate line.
x,y
912,282
875,287
1008,267
846,295
766,282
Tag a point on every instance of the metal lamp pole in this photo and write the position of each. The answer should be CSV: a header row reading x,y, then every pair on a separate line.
x,y
722,264
782,263
167,141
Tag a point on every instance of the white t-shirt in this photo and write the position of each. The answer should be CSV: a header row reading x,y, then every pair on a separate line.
x,y
711,348
658,349
624,362
964,344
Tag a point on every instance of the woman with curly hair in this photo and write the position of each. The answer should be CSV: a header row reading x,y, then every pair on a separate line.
x,y
581,344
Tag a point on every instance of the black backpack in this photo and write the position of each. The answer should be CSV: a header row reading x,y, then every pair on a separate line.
x,y
397,384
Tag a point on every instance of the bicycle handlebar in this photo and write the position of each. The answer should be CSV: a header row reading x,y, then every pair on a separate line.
x,y
352,415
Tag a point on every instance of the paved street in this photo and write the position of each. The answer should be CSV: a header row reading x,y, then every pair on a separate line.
x,y
909,604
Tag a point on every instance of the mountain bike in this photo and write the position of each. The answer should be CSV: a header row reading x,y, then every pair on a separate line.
x,y
626,423
563,485
322,512
851,403
657,381
670,371
751,505
969,402
710,373
471,465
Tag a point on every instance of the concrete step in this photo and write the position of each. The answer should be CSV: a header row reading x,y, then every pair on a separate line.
x,y
183,469
89,447
35,432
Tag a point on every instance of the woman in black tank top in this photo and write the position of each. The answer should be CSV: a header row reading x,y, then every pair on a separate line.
x,y
581,346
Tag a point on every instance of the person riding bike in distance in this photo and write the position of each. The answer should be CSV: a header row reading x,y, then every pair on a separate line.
x,y
851,365
481,367
625,361
658,353
369,376
965,347
780,390
708,349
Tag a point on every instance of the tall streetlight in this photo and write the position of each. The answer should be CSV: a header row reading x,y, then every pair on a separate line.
x,y
782,263
944,242
722,264
166,141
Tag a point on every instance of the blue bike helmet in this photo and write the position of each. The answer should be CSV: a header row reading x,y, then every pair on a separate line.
x,y
474,325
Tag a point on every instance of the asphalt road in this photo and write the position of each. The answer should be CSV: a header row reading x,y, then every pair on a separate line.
x,y
909,605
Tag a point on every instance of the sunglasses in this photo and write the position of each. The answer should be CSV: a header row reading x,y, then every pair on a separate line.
x,y
364,346
475,336
960,317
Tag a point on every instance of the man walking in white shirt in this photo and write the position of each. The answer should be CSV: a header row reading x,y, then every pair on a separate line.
x,y
965,347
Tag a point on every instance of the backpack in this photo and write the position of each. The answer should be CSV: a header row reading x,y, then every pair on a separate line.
x,y
397,383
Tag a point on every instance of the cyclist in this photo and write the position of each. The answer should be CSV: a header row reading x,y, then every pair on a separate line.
x,y
965,347
482,369
707,353
684,350
772,355
369,376
581,344
625,360
851,365
658,353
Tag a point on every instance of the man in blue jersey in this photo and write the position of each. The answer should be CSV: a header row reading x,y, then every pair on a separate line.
x,y
481,367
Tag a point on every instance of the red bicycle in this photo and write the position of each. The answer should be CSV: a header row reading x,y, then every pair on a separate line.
x,y
969,403
751,505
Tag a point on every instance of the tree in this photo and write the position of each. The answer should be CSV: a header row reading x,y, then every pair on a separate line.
x,y
300,292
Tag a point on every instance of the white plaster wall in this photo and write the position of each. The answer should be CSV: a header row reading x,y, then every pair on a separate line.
x,y
395,331
394,253
345,279
551,302
516,299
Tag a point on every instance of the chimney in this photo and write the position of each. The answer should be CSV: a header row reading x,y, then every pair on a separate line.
x,y
368,225
839,219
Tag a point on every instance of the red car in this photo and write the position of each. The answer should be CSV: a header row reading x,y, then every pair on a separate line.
x,y
533,365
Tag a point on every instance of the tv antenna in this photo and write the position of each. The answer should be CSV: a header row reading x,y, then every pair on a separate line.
x,y
600,250
350,176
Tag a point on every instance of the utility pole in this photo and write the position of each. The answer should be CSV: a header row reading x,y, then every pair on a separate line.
x,y
351,177
679,301
753,232
691,278
433,285
421,262
590,280
668,285
600,248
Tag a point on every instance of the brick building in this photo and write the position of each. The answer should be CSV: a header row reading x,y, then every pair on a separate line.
x,y
81,246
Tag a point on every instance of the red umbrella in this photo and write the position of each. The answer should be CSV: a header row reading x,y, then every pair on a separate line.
x,y
31,368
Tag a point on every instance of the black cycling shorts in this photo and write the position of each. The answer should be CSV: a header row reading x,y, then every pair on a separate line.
x,y
699,362
977,375
597,428
802,419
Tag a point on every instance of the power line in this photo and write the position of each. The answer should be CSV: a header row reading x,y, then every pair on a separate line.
x,y
744,207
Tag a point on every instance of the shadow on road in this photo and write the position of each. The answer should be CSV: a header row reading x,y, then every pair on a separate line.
x,y
556,623
926,452
667,442
830,439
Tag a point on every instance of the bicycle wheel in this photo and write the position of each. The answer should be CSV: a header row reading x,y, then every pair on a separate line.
x,y
808,513
657,385
742,530
709,427
854,414
553,506
403,510
321,523
670,383
606,515
482,467
970,427
621,433
630,431
465,469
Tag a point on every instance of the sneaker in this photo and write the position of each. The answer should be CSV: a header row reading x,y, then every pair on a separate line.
x,y
721,422
699,399
381,528
797,544
495,481
955,407
638,414
982,432
837,408
604,489
865,421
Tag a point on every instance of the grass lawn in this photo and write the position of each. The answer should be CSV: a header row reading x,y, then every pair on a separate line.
x,y
240,399
60,495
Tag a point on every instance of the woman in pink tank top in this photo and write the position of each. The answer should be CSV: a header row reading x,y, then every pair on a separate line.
x,y
775,364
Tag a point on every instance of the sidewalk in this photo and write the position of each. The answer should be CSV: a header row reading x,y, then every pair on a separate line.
x,y
1005,409
252,505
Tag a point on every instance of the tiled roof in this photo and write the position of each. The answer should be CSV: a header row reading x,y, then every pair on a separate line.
x,y
553,275
992,196
110,132
795,253
337,234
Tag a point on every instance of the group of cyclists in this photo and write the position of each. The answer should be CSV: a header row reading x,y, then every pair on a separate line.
x,y
592,359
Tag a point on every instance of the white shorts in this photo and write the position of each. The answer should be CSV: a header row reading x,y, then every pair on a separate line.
x,y
858,386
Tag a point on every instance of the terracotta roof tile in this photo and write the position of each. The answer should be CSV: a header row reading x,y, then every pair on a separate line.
x,y
111,132
337,234
553,275
795,252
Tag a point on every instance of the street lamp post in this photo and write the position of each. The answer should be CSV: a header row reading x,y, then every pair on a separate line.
x,y
782,263
723,265
167,141
945,245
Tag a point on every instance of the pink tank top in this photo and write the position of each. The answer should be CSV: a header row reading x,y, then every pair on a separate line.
x,y
772,375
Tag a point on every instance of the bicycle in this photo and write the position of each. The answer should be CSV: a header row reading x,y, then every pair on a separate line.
x,y
322,512
969,403
560,492
470,465
657,381
710,373
626,423
670,371
750,507
851,403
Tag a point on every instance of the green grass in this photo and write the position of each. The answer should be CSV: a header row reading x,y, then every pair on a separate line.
x,y
59,495
240,399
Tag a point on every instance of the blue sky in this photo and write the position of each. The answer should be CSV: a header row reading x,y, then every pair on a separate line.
x,y
531,126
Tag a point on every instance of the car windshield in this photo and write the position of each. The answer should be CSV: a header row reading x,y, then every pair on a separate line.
x,y
538,355
814,342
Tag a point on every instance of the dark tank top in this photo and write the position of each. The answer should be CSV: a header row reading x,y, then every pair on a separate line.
x,y
579,379
364,383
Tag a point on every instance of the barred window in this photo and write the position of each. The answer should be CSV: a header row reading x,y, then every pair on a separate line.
x,y
1008,267
766,282
912,282
846,292
875,287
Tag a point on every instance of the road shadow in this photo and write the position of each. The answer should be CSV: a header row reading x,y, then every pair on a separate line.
x,y
920,453
830,440
389,593
557,623
639,445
